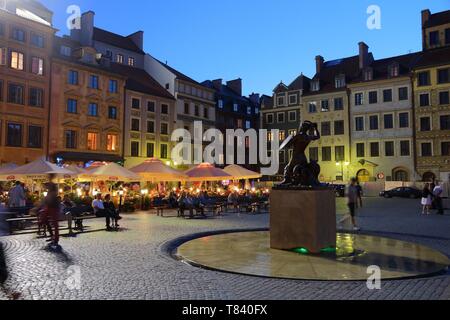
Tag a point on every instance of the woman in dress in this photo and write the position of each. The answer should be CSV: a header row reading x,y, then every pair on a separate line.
x,y
426,199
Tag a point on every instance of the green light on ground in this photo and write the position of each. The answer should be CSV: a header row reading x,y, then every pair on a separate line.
x,y
301,250
328,250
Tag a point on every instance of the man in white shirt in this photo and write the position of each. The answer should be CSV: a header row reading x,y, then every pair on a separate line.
x,y
99,210
437,193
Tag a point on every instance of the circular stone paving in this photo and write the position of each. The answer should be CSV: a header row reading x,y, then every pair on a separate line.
x,y
249,253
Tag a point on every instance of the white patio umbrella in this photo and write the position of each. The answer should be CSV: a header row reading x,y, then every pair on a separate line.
x,y
6,168
36,170
113,172
240,173
207,172
155,170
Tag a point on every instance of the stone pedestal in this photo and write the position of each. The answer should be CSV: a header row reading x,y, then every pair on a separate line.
x,y
302,219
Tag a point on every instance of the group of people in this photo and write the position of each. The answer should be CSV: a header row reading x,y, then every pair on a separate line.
x,y
106,208
432,198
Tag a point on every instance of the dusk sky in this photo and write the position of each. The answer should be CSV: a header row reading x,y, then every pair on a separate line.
x,y
262,41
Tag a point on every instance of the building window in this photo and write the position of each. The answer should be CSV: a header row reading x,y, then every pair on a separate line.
x,y
2,56
281,100
134,148
72,106
293,99
270,136
445,122
314,154
92,141
282,135
186,108
17,60
373,121
165,110
71,139
280,117
150,126
37,66
326,154
292,116
151,106
389,148
360,150
315,85
150,150
359,99
36,97
368,74
164,151
445,148
340,153
425,124
2,29
447,36
423,78
269,118
247,124
403,120
424,100
426,149
387,95
113,86
205,113
434,38
312,106
339,81
338,104
35,137
119,58
164,128
292,132
135,103
112,112
394,70
93,82
388,121
326,129
135,124
443,75
112,142
93,109
339,127
443,97
72,77
359,123
220,104
235,107
197,111
373,97
65,51
325,106
405,148
403,93
15,93
14,135
239,123
37,40
18,34
374,149
131,61
1,90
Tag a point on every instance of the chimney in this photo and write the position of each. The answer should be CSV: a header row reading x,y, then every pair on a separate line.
x,y
363,55
425,17
235,85
319,63
86,33
254,98
138,39
217,84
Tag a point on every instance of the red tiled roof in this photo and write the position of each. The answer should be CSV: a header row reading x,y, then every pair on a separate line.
x,y
116,40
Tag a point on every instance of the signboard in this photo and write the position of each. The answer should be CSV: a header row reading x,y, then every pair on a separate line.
x,y
381,176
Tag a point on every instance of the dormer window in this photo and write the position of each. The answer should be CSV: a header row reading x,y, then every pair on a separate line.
x,y
394,70
315,85
281,100
340,81
368,74
66,51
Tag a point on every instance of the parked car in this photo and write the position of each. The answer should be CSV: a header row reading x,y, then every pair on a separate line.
x,y
339,189
402,192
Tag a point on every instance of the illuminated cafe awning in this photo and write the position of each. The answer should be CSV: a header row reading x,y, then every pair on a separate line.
x,y
87,157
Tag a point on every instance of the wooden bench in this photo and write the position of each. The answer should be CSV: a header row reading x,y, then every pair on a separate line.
x,y
160,210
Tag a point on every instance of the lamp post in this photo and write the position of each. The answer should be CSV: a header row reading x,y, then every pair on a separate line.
x,y
120,199
144,192
342,164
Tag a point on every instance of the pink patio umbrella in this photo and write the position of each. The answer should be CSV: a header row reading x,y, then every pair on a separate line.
x,y
207,172
155,170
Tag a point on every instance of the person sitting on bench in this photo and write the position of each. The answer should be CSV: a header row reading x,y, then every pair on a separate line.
x,y
99,211
112,211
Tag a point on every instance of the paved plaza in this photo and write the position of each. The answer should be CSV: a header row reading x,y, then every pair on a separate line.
x,y
132,264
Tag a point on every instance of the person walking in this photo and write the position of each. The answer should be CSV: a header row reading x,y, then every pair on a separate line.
x,y
52,209
427,198
112,211
437,193
352,198
17,196
360,194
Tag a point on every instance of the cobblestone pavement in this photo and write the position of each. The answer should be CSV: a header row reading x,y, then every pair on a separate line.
x,y
131,265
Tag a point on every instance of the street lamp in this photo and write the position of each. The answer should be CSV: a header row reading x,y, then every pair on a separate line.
x,y
120,199
144,192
